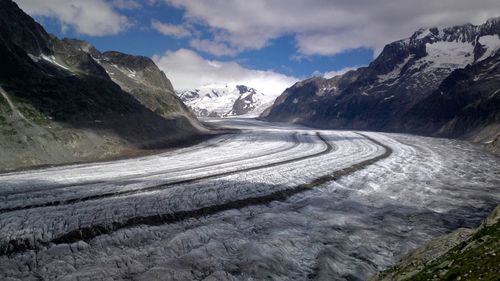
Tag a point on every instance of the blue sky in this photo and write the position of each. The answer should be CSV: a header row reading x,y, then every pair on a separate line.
x,y
279,54
267,44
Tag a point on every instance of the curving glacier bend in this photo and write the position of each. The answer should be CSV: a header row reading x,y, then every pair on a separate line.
x,y
274,202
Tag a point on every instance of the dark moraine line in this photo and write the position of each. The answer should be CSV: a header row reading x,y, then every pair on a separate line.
x,y
89,233
329,148
296,143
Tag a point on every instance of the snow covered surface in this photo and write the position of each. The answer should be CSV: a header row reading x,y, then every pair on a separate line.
x,y
425,73
449,54
220,100
340,230
492,45
50,59
424,33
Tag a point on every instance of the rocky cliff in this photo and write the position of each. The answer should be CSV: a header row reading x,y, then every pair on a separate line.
x,y
63,101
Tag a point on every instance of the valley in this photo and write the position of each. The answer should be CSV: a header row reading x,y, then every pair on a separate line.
x,y
271,140
275,201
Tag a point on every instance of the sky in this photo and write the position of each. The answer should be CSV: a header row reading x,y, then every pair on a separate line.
x,y
265,44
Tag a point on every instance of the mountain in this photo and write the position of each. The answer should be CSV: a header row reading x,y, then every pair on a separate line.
x,y
139,76
223,101
466,103
63,101
440,82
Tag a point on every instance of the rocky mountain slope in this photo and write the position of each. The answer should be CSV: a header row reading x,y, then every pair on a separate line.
x,y
228,100
465,254
63,101
441,82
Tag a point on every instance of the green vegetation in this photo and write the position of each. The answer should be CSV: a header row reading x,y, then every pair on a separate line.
x,y
477,257
9,131
34,115
4,106
165,109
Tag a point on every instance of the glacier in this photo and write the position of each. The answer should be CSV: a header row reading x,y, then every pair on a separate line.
x,y
273,202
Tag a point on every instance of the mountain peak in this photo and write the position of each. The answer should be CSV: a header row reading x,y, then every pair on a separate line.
x,y
406,73
20,29
83,46
71,93
244,89
492,21
226,100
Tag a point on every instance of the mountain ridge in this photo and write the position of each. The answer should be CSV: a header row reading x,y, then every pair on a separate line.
x,y
59,104
397,83
226,100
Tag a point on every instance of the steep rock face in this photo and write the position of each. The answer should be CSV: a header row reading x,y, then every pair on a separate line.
x,y
137,75
223,101
22,30
383,95
246,102
58,104
141,69
467,103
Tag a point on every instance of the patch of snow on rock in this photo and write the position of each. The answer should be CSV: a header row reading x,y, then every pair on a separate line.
x,y
449,54
491,43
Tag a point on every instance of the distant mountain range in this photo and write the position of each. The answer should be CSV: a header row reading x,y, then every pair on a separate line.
x,y
439,82
227,100
64,101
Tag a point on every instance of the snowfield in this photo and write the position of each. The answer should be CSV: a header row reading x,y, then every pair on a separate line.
x,y
274,202
227,100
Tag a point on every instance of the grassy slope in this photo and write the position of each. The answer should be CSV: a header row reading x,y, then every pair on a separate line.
x,y
474,256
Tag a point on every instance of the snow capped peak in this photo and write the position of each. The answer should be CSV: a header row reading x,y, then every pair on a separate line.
x,y
425,33
459,33
490,44
244,89
444,49
492,21
223,100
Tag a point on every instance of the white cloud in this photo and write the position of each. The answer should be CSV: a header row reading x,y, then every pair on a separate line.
x,y
186,69
328,27
178,31
212,47
126,4
91,17
334,73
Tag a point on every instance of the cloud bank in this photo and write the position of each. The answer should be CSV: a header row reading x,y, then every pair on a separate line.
x,y
326,27
174,30
126,4
342,71
189,70
91,17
